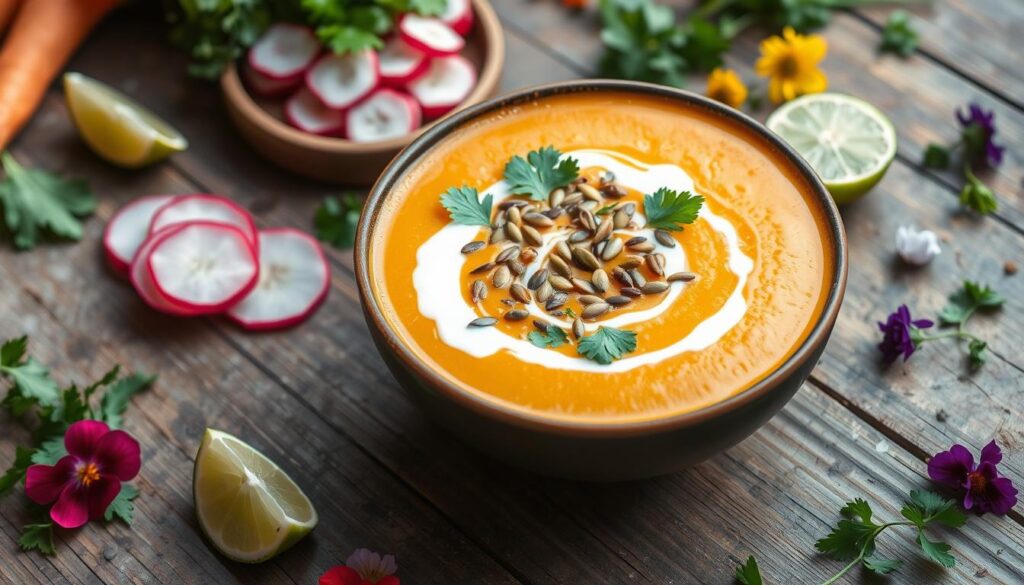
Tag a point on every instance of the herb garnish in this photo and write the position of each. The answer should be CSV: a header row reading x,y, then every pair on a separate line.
x,y
553,337
976,148
34,200
336,220
898,36
607,345
465,207
540,173
669,210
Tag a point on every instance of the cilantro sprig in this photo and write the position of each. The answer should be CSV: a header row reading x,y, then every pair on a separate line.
x,y
540,173
552,337
465,206
898,36
607,345
670,210
336,220
34,201
964,303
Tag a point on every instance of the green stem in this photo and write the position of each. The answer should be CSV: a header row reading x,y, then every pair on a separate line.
x,y
863,551
711,7
959,333
737,25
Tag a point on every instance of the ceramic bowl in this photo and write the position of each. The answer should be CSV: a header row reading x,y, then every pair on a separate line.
x,y
583,450
262,123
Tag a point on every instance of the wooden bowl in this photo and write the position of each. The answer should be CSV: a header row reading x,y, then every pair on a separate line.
x,y
336,160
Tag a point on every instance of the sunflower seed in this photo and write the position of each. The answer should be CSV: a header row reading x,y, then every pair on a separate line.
x,y
509,203
516,267
622,276
520,293
538,219
629,208
544,292
510,253
556,300
612,249
588,205
482,322
577,328
598,248
478,290
583,286
540,325
635,240
604,230
620,219
631,262
571,199
681,277
512,232
482,268
596,310
538,278
587,220
654,287
614,191
501,277
645,247
561,267
585,259
497,236
532,236
516,315
590,192
473,246
656,262
638,279
630,291
579,236
590,299
528,255
513,215
556,197
664,238
600,280
562,251
559,282
618,300
554,212
605,176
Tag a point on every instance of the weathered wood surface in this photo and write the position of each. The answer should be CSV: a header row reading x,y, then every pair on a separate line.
x,y
319,400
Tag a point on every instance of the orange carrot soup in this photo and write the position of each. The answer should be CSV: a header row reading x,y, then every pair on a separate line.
x,y
602,257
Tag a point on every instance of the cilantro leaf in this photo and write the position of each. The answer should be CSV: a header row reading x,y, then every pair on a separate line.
x,y
14,474
37,537
336,219
348,39
428,7
748,573
34,200
936,551
607,345
934,508
553,337
976,356
464,206
32,383
898,36
50,451
705,45
880,565
669,210
977,196
968,299
122,507
540,173
936,157
116,399
848,539
642,42
55,418
106,380
858,508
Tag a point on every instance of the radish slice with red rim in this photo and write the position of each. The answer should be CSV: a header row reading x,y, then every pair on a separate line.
x,y
429,35
264,86
294,279
284,52
446,84
204,267
142,280
202,207
458,14
400,63
339,81
304,111
127,230
385,114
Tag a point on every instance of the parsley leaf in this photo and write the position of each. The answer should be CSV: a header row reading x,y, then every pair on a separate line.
x,y
540,173
976,195
748,573
116,399
669,210
968,299
553,337
122,506
37,537
898,36
50,451
348,39
607,345
936,157
880,565
34,200
852,536
464,206
336,220
22,459
936,551
976,356
32,383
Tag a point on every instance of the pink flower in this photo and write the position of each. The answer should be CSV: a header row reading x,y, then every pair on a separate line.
x,y
88,478
363,568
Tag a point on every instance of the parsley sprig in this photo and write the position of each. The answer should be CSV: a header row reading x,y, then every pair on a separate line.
x,y
33,201
465,207
540,173
965,302
898,36
607,345
670,210
553,337
336,220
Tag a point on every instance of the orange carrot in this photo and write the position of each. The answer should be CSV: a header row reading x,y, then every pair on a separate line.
x,y
43,36
7,8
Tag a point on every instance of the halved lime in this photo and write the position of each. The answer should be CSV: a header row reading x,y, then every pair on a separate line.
x,y
247,506
847,141
116,127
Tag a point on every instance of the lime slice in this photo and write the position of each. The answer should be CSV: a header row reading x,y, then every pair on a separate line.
x,y
847,141
247,506
116,127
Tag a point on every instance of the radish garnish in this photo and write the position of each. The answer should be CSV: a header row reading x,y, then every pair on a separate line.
x,y
204,267
142,280
284,52
458,14
400,63
385,114
340,81
445,85
129,227
200,207
429,35
264,86
294,278
304,111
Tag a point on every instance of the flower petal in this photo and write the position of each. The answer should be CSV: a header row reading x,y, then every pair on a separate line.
x,y
991,453
119,454
101,493
44,483
72,507
81,438
389,580
340,575
951,467
1002,495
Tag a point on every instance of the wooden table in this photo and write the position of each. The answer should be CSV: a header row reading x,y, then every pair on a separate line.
x,y
319,400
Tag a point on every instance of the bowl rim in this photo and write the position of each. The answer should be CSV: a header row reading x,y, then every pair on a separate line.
x,y
582,428
487,23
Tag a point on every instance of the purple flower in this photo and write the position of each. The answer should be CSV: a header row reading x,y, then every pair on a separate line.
x,y
979,130
984,490
901,335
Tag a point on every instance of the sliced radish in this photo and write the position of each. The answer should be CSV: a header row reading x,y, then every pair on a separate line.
x,y
458,14
262,85
142,280
400,63
385,114
429,35
339,81
204,267
294,279
129,227
304,111
445,85
284,51
201,207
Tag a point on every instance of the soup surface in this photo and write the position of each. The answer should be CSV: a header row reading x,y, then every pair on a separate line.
x,y
676,320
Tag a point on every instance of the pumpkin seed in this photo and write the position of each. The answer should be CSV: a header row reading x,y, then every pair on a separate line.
x,y
557,300
559,282
611,249
631,291
520,293
600,280
562,250
538,219
538,278
556,197
590,192
681,277
482,268
664,238
513,216
478,290
510,253
638,279
589,299
497,236
482,322
618,300
656,262
631,262
516,315
583,286
579,236
516,267
532,236
561,267
596,310
585,259
622,276
501,277
620,219
654,287
604,230
512,232
473,246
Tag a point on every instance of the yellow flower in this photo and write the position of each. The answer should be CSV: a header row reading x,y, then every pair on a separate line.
x,y
790,63
726,87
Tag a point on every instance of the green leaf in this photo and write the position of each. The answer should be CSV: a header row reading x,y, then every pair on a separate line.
x,y
847,539
607,345
428,7
122,507
15,473
50,451
705,45
37,537
540,173
858,508
464,206
880,565
977,196
976,356
344,39
967,299
34,201
106,380
925,507
669,210
898,36
32,383
936,551
936,157
336,220
643,42
983,296
748,573
116,399
553,337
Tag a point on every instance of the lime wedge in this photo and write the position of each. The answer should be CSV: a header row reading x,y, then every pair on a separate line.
x,y
247,506
847,141
116,127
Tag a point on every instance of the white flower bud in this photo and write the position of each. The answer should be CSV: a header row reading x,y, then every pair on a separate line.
x,y
916,247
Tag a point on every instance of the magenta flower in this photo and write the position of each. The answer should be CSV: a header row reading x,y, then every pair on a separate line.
x,y
984,490
979,130
88,478
363,567
901,335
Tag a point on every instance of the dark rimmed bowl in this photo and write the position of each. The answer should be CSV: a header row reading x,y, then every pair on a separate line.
x,y
583,450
